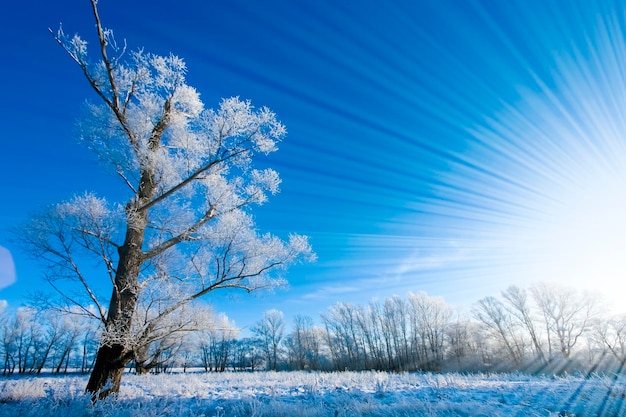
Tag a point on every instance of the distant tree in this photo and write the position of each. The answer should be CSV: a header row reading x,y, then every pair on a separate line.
x,y
27,333
159,347
459,340
568,314
88,345
270,331
185,355
371,327
517,303
343,336
46,340
611,334
23,341
303,344
430,318
215,342
158,355
69,329
8,335
395,321
184,229
493,315
247,354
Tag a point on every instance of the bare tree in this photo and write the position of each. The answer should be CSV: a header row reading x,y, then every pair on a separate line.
x,y
215,341
185,228
89,345
430,317
567,313
270,331
302,344
378,338
368,321
156,356
27,332
8,333
395,321
517,302
343,336
494,316
458,334
611,334
168,332
248,354
69,329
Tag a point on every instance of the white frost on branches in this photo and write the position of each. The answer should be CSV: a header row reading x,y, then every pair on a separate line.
x,y
190,181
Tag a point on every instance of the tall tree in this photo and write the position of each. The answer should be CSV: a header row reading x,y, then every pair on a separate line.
x,y
185,228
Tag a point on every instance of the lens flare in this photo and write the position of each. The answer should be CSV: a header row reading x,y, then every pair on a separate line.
x,y
540,192
7,268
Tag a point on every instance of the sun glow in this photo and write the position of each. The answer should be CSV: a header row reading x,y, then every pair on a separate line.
x,y
573,230
580,239
539,194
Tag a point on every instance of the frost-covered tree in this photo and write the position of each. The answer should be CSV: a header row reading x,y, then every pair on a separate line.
x,y
270,331
611,333
185,228
568,314
303,344
215,340
495,318
344,335
430,317
518,304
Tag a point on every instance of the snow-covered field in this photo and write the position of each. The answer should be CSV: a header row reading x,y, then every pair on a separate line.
x,y
298,394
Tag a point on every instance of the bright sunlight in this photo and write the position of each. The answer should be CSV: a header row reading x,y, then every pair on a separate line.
x,y
540,193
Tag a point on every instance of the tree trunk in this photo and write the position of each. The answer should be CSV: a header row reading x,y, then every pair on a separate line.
x,y
113,355
141,369
143,364
107,371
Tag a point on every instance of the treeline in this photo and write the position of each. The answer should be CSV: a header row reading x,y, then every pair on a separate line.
x,y
543,328
31,340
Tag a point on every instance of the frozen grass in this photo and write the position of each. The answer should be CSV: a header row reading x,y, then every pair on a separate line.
x,y
300,394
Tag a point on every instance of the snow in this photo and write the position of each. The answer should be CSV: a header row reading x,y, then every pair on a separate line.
x,y
300,394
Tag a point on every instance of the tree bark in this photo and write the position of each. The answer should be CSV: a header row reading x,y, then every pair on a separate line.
x,y
113,355
107,372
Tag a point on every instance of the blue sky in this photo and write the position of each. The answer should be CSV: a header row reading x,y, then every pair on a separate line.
x,y
454,147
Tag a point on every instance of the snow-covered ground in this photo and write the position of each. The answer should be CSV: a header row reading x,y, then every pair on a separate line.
x,y
299,394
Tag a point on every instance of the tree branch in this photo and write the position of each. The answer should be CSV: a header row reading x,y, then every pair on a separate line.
x,y
184,236
103,52
75,303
